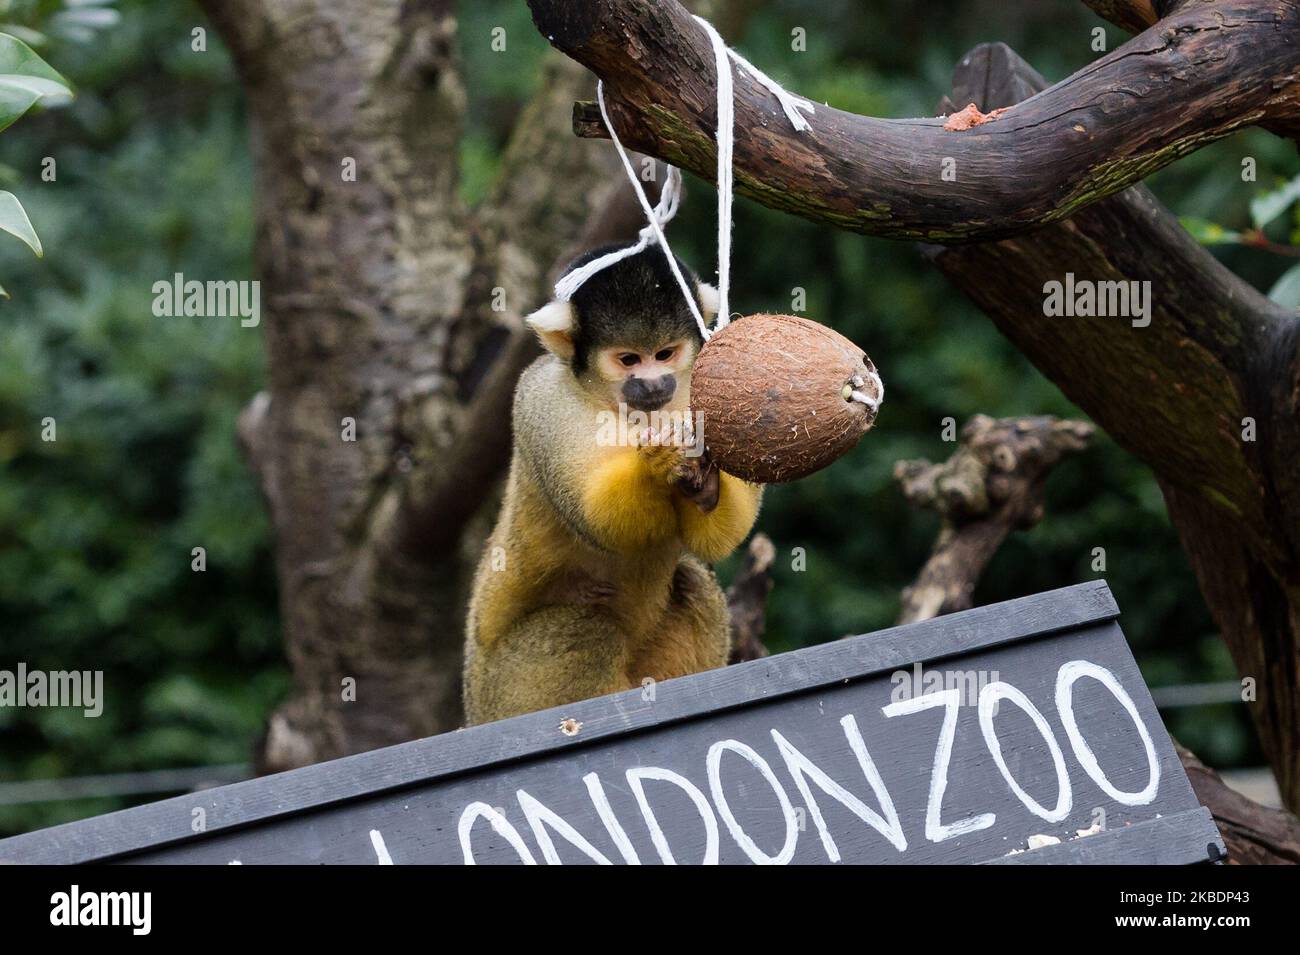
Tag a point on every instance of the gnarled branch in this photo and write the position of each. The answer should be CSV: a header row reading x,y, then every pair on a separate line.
x,y
1253,834
992,485
1132,15
1196,76
747,601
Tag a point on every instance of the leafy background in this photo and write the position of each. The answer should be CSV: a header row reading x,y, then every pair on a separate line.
x,y
154,178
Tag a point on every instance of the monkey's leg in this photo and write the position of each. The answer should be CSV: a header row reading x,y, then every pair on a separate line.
x,y
695,634
553,656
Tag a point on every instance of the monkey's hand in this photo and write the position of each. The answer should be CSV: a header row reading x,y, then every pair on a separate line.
x,y
694,478
661,456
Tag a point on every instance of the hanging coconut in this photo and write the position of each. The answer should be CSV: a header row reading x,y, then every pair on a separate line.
x,y
780,397
777,397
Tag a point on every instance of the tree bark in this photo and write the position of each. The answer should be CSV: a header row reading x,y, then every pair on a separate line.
x,y
747,601
1201,73
1253,834
379,323
1133,15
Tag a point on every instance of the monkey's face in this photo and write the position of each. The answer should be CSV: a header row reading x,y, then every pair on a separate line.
x,y
627,334
648,376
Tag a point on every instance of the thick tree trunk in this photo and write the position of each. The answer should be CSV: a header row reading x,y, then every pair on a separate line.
x,y
1208,394
378,291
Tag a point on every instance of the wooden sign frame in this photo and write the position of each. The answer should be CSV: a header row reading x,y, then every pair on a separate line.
x,y
408,803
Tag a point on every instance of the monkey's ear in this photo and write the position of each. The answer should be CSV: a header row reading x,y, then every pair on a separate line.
x,y
554,325
708,301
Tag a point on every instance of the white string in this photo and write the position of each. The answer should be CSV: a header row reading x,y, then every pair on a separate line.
x,y
726,136
790,104
857,394
669,197
669,200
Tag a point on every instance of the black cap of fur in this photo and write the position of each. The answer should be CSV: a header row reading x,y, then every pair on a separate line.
x,y
635,303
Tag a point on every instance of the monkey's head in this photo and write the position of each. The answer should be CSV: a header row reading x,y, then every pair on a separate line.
x,y
627,334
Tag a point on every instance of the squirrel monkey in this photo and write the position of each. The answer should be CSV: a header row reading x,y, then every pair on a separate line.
x,y
595,577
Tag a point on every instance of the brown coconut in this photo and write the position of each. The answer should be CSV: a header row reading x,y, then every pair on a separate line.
x,y
772,393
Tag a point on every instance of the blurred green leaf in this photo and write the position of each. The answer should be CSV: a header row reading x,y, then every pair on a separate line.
x,y
25,80
1267,207
13,219
26,34
1286,290
1209,233
96,527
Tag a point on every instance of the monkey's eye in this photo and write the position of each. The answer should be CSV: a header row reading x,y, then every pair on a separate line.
x,y
629,359
664,354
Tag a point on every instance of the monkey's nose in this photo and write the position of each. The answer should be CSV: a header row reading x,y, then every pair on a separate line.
x,y
649,394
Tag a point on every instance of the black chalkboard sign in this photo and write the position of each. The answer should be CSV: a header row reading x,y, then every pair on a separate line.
x,y
969,738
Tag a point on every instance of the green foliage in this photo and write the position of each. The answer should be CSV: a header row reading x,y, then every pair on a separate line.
x,y
1286,290
1267,206
25,80
1210,233
96,528
39,21
13,219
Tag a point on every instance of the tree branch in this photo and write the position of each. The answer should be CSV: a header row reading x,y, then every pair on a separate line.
x,y
993,484
1196,76
1173,391
1131,15
1253,834
1205,394
747,601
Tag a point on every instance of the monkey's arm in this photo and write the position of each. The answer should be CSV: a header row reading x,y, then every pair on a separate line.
x,y
603,495
713,535
625,504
